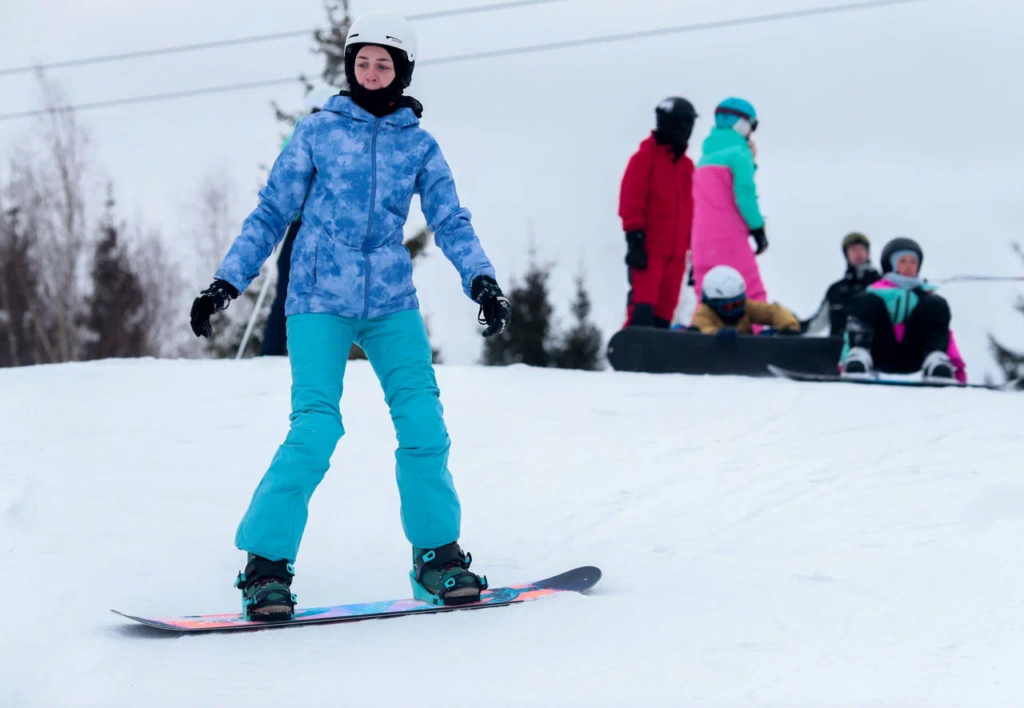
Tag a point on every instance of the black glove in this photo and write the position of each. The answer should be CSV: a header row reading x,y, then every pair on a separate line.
x,y
636,256
495,309
215,298
727,334
760,239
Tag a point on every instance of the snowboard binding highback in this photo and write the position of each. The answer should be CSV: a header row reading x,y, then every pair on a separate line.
x,y
266,589
441,576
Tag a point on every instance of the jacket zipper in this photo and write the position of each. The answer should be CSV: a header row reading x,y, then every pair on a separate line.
x,y
369,222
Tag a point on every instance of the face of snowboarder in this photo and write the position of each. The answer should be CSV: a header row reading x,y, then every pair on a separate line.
x,y
907,265
857,255
374,68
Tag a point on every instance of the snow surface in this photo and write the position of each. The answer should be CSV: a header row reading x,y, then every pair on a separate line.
x,y
764,543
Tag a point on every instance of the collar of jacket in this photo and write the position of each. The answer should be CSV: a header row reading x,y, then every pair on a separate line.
x,y
859,273
344,105
724,139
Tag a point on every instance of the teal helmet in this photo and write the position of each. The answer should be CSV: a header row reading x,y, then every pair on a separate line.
x,y
732,110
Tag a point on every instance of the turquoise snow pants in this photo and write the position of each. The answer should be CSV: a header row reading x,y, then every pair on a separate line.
x,y
399,352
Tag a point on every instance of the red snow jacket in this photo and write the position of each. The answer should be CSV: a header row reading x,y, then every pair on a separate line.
x,y
657,198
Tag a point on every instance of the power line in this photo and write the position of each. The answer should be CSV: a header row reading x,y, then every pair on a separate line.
x,y
152,97
699,27
568,44
252,39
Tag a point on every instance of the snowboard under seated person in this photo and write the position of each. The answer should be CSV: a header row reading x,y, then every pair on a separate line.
x,y
900,325
726,311
351,281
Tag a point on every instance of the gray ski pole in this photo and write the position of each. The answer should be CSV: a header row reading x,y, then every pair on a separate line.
x,y
258,306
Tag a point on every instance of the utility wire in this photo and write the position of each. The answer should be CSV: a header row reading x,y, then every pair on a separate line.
x,y
699,27
719,24
152,97
476,9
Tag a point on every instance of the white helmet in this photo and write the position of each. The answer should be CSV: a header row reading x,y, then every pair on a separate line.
x,y
723,283
386,29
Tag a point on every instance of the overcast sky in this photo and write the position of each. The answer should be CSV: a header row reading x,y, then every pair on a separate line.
x,y
893,121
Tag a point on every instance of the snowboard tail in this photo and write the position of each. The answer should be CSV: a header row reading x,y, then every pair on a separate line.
x,y
578,580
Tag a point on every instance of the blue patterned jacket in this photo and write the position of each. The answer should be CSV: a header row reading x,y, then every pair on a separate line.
x,y
352,177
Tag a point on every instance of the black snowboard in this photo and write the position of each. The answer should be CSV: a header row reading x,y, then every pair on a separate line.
x,y
662,351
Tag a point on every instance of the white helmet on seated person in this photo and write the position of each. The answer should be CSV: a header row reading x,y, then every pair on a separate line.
x,y
725,292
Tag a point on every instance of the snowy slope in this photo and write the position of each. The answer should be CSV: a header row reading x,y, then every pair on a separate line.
x,y
764,543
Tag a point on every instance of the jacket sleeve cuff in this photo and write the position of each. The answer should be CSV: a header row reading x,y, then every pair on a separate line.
x,y
237,281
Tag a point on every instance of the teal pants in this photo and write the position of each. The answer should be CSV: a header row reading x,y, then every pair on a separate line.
x,y
399,352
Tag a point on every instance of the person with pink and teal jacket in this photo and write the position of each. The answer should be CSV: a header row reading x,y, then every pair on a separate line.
x,y
726,213
900,325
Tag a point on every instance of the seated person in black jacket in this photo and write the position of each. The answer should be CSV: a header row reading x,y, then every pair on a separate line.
x,y
859,275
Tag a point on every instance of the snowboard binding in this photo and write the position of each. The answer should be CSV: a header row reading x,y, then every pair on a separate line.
x,y
441,576
266,590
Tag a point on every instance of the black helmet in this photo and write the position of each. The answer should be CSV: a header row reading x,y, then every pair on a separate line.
x,y
855,238
673,113
895,246
678,108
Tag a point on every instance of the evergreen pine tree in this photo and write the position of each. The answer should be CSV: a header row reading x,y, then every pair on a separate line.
x,y
528,339
20,343
581,345
331,42
115,318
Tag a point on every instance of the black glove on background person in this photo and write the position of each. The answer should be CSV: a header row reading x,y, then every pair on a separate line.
x,y
636,256
760,239
215,298
495,309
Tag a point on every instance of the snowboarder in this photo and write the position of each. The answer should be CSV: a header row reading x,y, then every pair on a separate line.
x,y
360,160
859,275
656,206
726,310
900,324
726,213
275,336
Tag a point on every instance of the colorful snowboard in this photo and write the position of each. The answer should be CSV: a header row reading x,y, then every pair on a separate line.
x,y
796,376
578,580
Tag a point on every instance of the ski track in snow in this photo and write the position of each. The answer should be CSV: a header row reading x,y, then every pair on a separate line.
x,y
763,542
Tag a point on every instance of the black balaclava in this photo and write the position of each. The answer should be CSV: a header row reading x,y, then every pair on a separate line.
x,y
383,101
675,119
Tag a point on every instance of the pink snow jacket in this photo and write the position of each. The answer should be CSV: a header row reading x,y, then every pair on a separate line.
x,y
725,209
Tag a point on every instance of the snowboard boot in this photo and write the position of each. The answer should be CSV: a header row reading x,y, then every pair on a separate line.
x,y
266,589
938,368
643,316
859,364
441,576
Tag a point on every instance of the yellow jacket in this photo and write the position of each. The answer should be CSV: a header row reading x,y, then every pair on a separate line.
x,y
756,312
